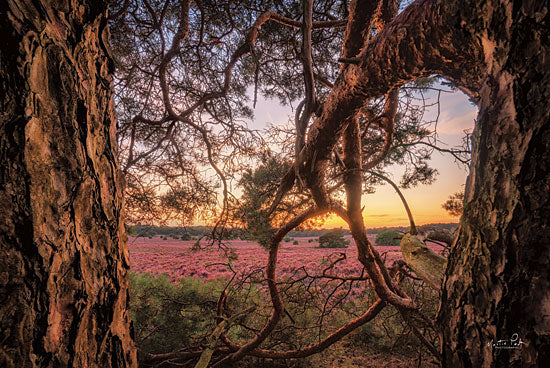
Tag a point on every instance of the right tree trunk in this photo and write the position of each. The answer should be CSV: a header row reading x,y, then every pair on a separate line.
x,y
498,278
63,263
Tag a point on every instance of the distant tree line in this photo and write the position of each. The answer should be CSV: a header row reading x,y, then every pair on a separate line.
x,y
423,228
184,233
200,231
190,232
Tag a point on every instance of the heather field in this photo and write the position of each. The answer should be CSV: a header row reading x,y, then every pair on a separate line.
x,y
177,258
194,282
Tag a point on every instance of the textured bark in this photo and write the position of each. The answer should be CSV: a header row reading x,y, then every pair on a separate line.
x,y
425,263
63,257
498,278
424,39
441,235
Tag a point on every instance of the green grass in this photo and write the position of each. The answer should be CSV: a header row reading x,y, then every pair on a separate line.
x,y
167,316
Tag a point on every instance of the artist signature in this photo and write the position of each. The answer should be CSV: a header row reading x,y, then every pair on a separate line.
x,y
514,343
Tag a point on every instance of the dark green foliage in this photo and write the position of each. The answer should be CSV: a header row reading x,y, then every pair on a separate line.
x,y
388,238
130,230
295,242
167,316
388,332
455,204
183,233
258,186
333,239
410,128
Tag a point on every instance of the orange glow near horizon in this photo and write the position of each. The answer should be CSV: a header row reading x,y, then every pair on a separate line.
x,y
384,208
391,218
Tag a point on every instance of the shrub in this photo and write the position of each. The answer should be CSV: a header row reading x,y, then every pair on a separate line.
x,y
287,239
388,238
167,316
333,239
295,242
131,230
170,315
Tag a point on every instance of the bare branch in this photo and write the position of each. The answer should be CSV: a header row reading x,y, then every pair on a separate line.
x,y
387,120
413,230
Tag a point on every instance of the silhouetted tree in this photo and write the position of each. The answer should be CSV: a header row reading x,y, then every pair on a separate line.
x,y
333,239
184,73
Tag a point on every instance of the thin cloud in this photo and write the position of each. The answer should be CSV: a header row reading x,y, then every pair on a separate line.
x,y
457,114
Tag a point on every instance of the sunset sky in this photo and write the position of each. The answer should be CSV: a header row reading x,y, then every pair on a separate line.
x,y
384,207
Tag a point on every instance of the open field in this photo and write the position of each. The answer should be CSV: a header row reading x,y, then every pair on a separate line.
x,y
383,343
178,259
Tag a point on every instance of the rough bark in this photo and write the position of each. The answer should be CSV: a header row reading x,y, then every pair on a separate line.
x,y
424,39
441,235
426,264
497,52
63,257
498,278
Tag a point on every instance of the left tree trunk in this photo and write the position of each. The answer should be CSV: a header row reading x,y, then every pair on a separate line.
x,y
63,261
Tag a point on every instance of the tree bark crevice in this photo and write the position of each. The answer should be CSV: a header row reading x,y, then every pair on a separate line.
x,y
501,250
62,238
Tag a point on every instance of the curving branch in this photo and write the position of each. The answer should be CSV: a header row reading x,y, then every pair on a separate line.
x,y
339,23
276,299
414,44
361,18
413,230
308,106
131,160
387,122
250,348
245,48
353,184
460,155
334,337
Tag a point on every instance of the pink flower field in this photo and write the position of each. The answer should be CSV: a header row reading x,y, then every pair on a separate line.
x,y
177,259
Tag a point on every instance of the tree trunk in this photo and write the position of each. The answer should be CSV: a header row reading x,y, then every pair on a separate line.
x,y
498,279
63,257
